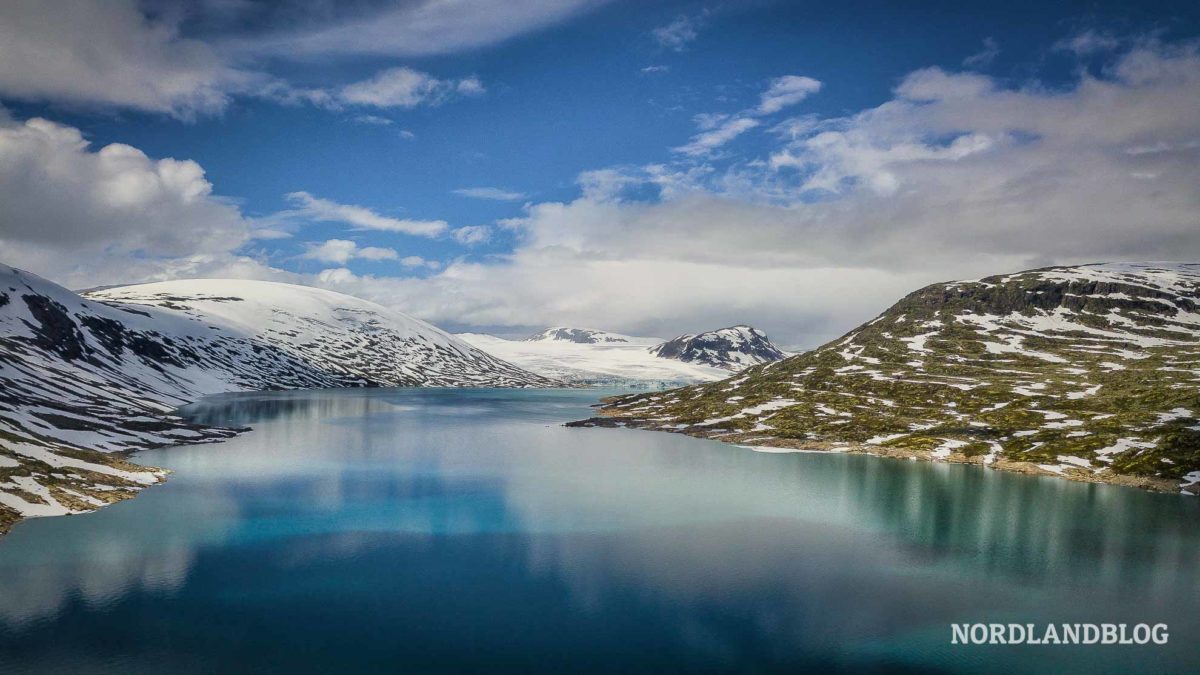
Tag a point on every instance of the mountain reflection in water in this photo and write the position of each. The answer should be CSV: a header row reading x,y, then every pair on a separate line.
x,y
453,530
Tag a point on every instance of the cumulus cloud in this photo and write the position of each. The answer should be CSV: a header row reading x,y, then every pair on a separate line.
x,y
406,88
342,251
316,209
67,206
492,193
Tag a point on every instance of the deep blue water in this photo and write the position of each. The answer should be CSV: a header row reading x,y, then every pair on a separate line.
x,y
467,531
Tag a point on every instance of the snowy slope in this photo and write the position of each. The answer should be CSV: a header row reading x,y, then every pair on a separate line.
x,y
344,336
1090,372
85,376
605,362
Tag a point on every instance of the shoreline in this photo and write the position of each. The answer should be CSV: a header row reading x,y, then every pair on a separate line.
x,y
121,459
752,441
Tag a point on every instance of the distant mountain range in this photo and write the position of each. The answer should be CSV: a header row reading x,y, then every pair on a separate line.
x,y
83,377
1089,372
596,357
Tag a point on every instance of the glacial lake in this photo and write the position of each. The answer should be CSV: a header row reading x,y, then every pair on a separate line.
x,y
437,530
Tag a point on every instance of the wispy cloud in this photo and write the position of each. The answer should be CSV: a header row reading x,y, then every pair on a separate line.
x,y
406,88
1088,42
492,193
373,120
786,91
412,28
418,261
707,141
985,56
677,34
717,129
324,210
652,70
472,234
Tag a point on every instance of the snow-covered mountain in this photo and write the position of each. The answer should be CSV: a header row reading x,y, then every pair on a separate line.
x,y
596,357
588,336
82,377
733,349
1089,372
355,341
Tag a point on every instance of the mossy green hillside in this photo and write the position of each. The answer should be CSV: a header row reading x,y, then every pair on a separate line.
x,y
1083,370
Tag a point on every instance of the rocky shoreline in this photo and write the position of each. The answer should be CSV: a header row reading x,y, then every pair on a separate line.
x,y
613,420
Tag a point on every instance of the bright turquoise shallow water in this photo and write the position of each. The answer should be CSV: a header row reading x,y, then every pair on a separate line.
x,y
459,531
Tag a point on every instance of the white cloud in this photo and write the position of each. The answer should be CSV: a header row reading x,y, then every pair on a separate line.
x,y
130,54
707,141
418,261
336,276
1088,42
406,88
985,56
67,207
718,129
492,193
472,234
374,120
106,52
677,34
342,251
325,210
652,70
935,84
958,176
414,28
787,91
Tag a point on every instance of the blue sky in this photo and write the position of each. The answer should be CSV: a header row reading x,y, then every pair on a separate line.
x,y
582,113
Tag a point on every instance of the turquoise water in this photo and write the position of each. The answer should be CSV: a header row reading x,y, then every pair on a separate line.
x,y
467,530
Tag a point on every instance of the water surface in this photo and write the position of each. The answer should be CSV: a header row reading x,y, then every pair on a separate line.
x,y
465,530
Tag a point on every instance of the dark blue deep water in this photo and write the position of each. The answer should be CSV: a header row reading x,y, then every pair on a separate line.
x,y
429,531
